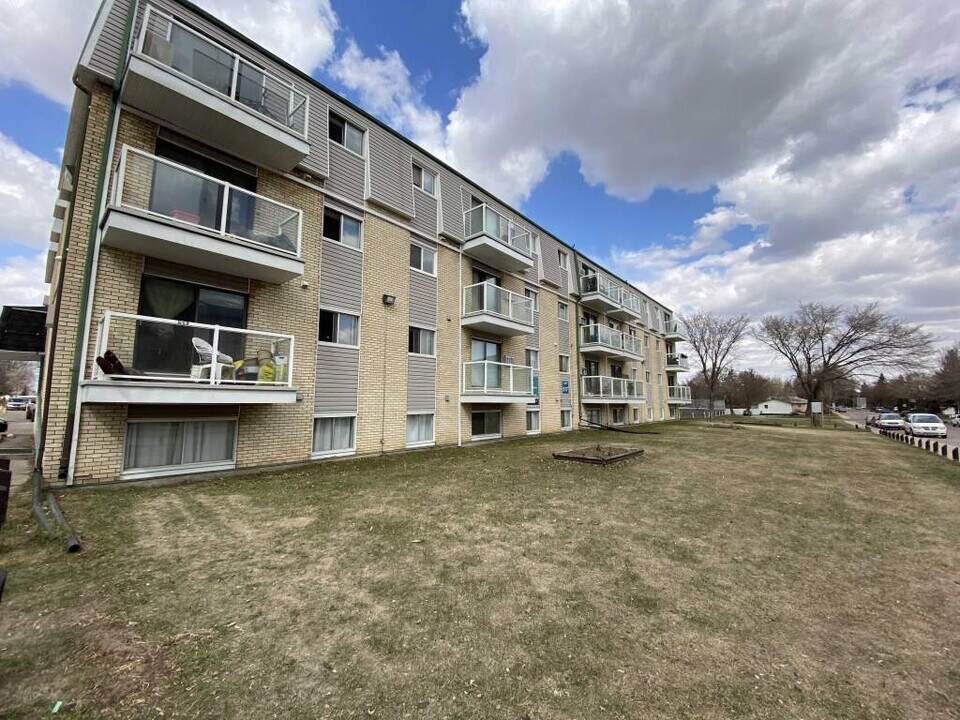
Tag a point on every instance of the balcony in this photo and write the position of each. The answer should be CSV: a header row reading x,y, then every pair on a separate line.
x,y
678,395
598,293
491,309
630,308
172,362
485,381
610,390
188,80
168,211
607,342
674,331
495,241
678,361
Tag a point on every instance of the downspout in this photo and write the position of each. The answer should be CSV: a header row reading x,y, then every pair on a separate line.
x,y
92,259
460,350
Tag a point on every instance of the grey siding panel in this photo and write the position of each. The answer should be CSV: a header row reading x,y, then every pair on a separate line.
x,y
391,178
341,277
550,264
425,213
337,369
563,337
451,220
533,339
346,174
107,49
421,383
423,300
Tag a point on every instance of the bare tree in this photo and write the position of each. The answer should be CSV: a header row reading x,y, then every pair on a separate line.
x,y
713,338
16,377
825,344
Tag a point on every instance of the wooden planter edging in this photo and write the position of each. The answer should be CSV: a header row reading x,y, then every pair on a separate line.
x,y
590,455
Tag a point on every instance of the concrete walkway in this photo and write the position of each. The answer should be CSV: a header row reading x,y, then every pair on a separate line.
x,y
17,445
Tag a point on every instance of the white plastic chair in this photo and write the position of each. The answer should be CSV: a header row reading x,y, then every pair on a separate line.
x,y
209,367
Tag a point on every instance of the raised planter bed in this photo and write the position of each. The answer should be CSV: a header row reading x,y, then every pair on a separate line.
x,y
599,454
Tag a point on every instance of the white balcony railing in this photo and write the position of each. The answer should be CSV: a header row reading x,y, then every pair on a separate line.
x,y
609,338
175,351
594,283
484,220
673,327
160,187
678,360
183,50
485,377
489,298
678,393
604,387
631,302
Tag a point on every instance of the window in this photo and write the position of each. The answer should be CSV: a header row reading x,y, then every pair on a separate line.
x,y
340,328
534,298
480,276
423,259
636,415
648,377
421,341
532,358
593,416
650,414
660,379
333,436
617,415
346,133
564,363
162,448
591,367
563,312
566,419
485,424
533,422
341,228
563,259
424,179
419,429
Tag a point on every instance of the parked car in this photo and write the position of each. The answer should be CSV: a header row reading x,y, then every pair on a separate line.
x,y
890,421
3,425
924,424
955,421
19,402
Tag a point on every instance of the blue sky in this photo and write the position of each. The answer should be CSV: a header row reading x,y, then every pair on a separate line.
x,y
731,157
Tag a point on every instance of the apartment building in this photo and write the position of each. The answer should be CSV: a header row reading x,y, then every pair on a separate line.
x,y
248,270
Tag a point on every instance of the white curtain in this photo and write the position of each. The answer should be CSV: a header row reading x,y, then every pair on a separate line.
x,y
331,434
162,444
419,429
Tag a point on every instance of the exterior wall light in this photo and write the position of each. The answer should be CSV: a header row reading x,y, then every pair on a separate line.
x,y
389,299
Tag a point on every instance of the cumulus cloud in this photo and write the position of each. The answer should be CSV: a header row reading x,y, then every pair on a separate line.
x,y
40,42
302,32
21,280
28,186
385,88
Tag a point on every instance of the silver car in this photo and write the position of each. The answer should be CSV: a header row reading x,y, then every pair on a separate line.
x,y
890,421
924,424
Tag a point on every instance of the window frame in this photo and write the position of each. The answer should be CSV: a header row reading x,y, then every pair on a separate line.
x,y
340,452
527,357
534,297
614,409
331,114
339,241
337,329
424,249
539,428
563,311
560,364
420,329
569,414
486,436
563,258
423,172
181,468
433,430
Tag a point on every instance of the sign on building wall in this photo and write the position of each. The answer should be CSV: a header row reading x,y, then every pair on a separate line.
x,y
564,386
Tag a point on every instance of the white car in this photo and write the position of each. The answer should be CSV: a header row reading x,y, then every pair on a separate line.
x,y
889,421
924,424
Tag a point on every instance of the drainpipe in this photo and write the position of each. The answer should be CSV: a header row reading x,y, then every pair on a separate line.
x,y
460,350
92,259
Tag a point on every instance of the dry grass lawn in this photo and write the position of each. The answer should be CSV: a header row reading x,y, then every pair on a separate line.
x,y
743,572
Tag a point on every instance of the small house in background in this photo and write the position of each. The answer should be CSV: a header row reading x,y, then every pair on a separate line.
x,y
781,406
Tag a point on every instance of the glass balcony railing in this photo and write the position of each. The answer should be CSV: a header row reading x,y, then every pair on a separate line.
x,y
185,51
632,345
602,387
631,302
489,298
609,338
673,327
598,284
484,220
485,377
138,348
166,189
679,393
678,360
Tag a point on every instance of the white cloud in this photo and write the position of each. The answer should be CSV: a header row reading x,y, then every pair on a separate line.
x,y
40,42
28,186
385,88
301,32
21,280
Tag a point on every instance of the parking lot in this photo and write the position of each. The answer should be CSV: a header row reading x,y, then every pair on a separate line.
x,y
860,416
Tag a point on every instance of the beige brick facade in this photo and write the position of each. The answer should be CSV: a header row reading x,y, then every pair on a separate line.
x,y
448,346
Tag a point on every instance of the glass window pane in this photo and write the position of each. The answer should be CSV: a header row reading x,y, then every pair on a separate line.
x,y
429,257
417,175
328,326
416,256
354,139
351,232
426,342
336,128
348,330
331,225
428,183
413,340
